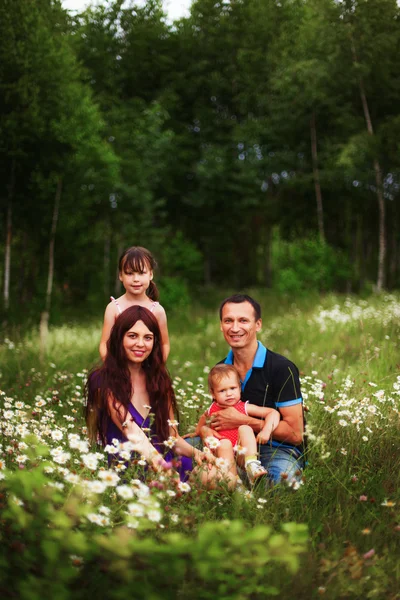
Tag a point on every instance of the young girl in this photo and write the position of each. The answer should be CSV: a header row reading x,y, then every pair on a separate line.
x,y
136,267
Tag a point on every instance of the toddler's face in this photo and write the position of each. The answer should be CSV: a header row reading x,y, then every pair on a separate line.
x,y
227,391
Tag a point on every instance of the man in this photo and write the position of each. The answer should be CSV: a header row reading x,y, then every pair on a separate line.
x,y
267,379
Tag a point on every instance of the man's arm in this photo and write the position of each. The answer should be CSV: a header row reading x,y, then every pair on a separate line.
x,y
230,418
291,426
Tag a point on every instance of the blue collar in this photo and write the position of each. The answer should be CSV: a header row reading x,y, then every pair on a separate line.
x,y
258,361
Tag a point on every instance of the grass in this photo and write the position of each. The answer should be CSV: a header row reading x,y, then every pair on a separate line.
x,y
347,350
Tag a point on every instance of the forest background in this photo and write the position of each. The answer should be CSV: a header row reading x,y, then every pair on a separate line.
x,y
253,143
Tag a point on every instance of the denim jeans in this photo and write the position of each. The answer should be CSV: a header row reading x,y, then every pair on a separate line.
x,y
279,462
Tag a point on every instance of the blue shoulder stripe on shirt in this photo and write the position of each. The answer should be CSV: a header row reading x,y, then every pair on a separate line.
x,y
259,358
289,402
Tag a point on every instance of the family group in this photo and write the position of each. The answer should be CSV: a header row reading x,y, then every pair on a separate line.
x,y
254,425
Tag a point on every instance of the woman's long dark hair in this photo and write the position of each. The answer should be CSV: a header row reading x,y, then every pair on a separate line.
x,y
113,379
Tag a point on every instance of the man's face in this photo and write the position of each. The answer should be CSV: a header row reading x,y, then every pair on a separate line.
x,y
239,325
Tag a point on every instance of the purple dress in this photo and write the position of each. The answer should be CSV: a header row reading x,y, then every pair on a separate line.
x,y
113,432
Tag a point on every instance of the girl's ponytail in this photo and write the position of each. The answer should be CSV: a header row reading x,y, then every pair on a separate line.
x,y
152,291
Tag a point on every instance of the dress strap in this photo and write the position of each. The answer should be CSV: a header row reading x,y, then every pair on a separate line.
x,y
117,304
153,306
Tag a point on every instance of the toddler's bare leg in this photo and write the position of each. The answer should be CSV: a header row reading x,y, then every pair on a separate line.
x,y
227,472
247,440
254,469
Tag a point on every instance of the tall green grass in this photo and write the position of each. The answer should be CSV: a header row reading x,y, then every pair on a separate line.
x,y
347,351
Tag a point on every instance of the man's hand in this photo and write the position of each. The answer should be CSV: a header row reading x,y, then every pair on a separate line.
x,y
229,418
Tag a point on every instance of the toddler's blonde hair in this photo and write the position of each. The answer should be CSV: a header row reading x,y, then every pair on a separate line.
x,y
218,373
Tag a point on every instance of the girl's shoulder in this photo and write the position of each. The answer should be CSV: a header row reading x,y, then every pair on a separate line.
x,y
117,304
157,309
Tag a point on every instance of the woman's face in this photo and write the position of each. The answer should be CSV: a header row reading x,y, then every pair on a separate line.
x,y
138,342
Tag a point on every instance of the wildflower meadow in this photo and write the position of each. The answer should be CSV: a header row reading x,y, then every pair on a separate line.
x,y
73,527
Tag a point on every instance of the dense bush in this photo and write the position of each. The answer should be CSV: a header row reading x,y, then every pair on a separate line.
x,y
308,265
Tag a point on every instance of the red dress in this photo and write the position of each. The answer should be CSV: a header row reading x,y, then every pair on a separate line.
x,y
228,434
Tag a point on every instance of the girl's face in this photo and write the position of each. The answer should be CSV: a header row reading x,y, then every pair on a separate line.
x,y
136,282
227,391
138,343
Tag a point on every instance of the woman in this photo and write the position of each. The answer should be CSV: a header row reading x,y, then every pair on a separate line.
x,y
132,383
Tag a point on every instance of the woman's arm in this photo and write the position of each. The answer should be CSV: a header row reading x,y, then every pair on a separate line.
x,y
109,320
182,447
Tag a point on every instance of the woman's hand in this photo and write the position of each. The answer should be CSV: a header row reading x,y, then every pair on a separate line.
x,y
206,432
199,456
190,435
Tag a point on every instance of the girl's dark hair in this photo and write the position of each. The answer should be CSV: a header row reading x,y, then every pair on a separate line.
x,y
137,259
112,379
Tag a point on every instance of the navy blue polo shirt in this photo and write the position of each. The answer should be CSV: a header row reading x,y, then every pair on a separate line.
x,y
273,381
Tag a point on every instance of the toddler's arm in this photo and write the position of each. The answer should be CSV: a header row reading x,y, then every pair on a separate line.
x,y
270,420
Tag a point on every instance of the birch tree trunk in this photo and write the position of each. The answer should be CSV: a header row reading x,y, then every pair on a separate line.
x,y
7,255
44,319
380,283
317,185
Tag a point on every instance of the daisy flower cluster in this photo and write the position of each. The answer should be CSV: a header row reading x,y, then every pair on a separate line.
x,y
53,424
192,398
353,409
356,310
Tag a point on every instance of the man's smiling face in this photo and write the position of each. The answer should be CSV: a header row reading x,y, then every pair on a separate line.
x,y
239,324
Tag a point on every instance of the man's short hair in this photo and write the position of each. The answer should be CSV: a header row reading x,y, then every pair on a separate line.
x,y
238,299
218,373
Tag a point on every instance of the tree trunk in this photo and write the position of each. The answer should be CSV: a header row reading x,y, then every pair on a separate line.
x,y
7,255
380,283
317,185
23,269
44,320
393,262
360,264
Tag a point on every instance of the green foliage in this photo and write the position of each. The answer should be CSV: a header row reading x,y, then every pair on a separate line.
x,y
180,257
218,543
195,140
308,265
45,550
174,292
